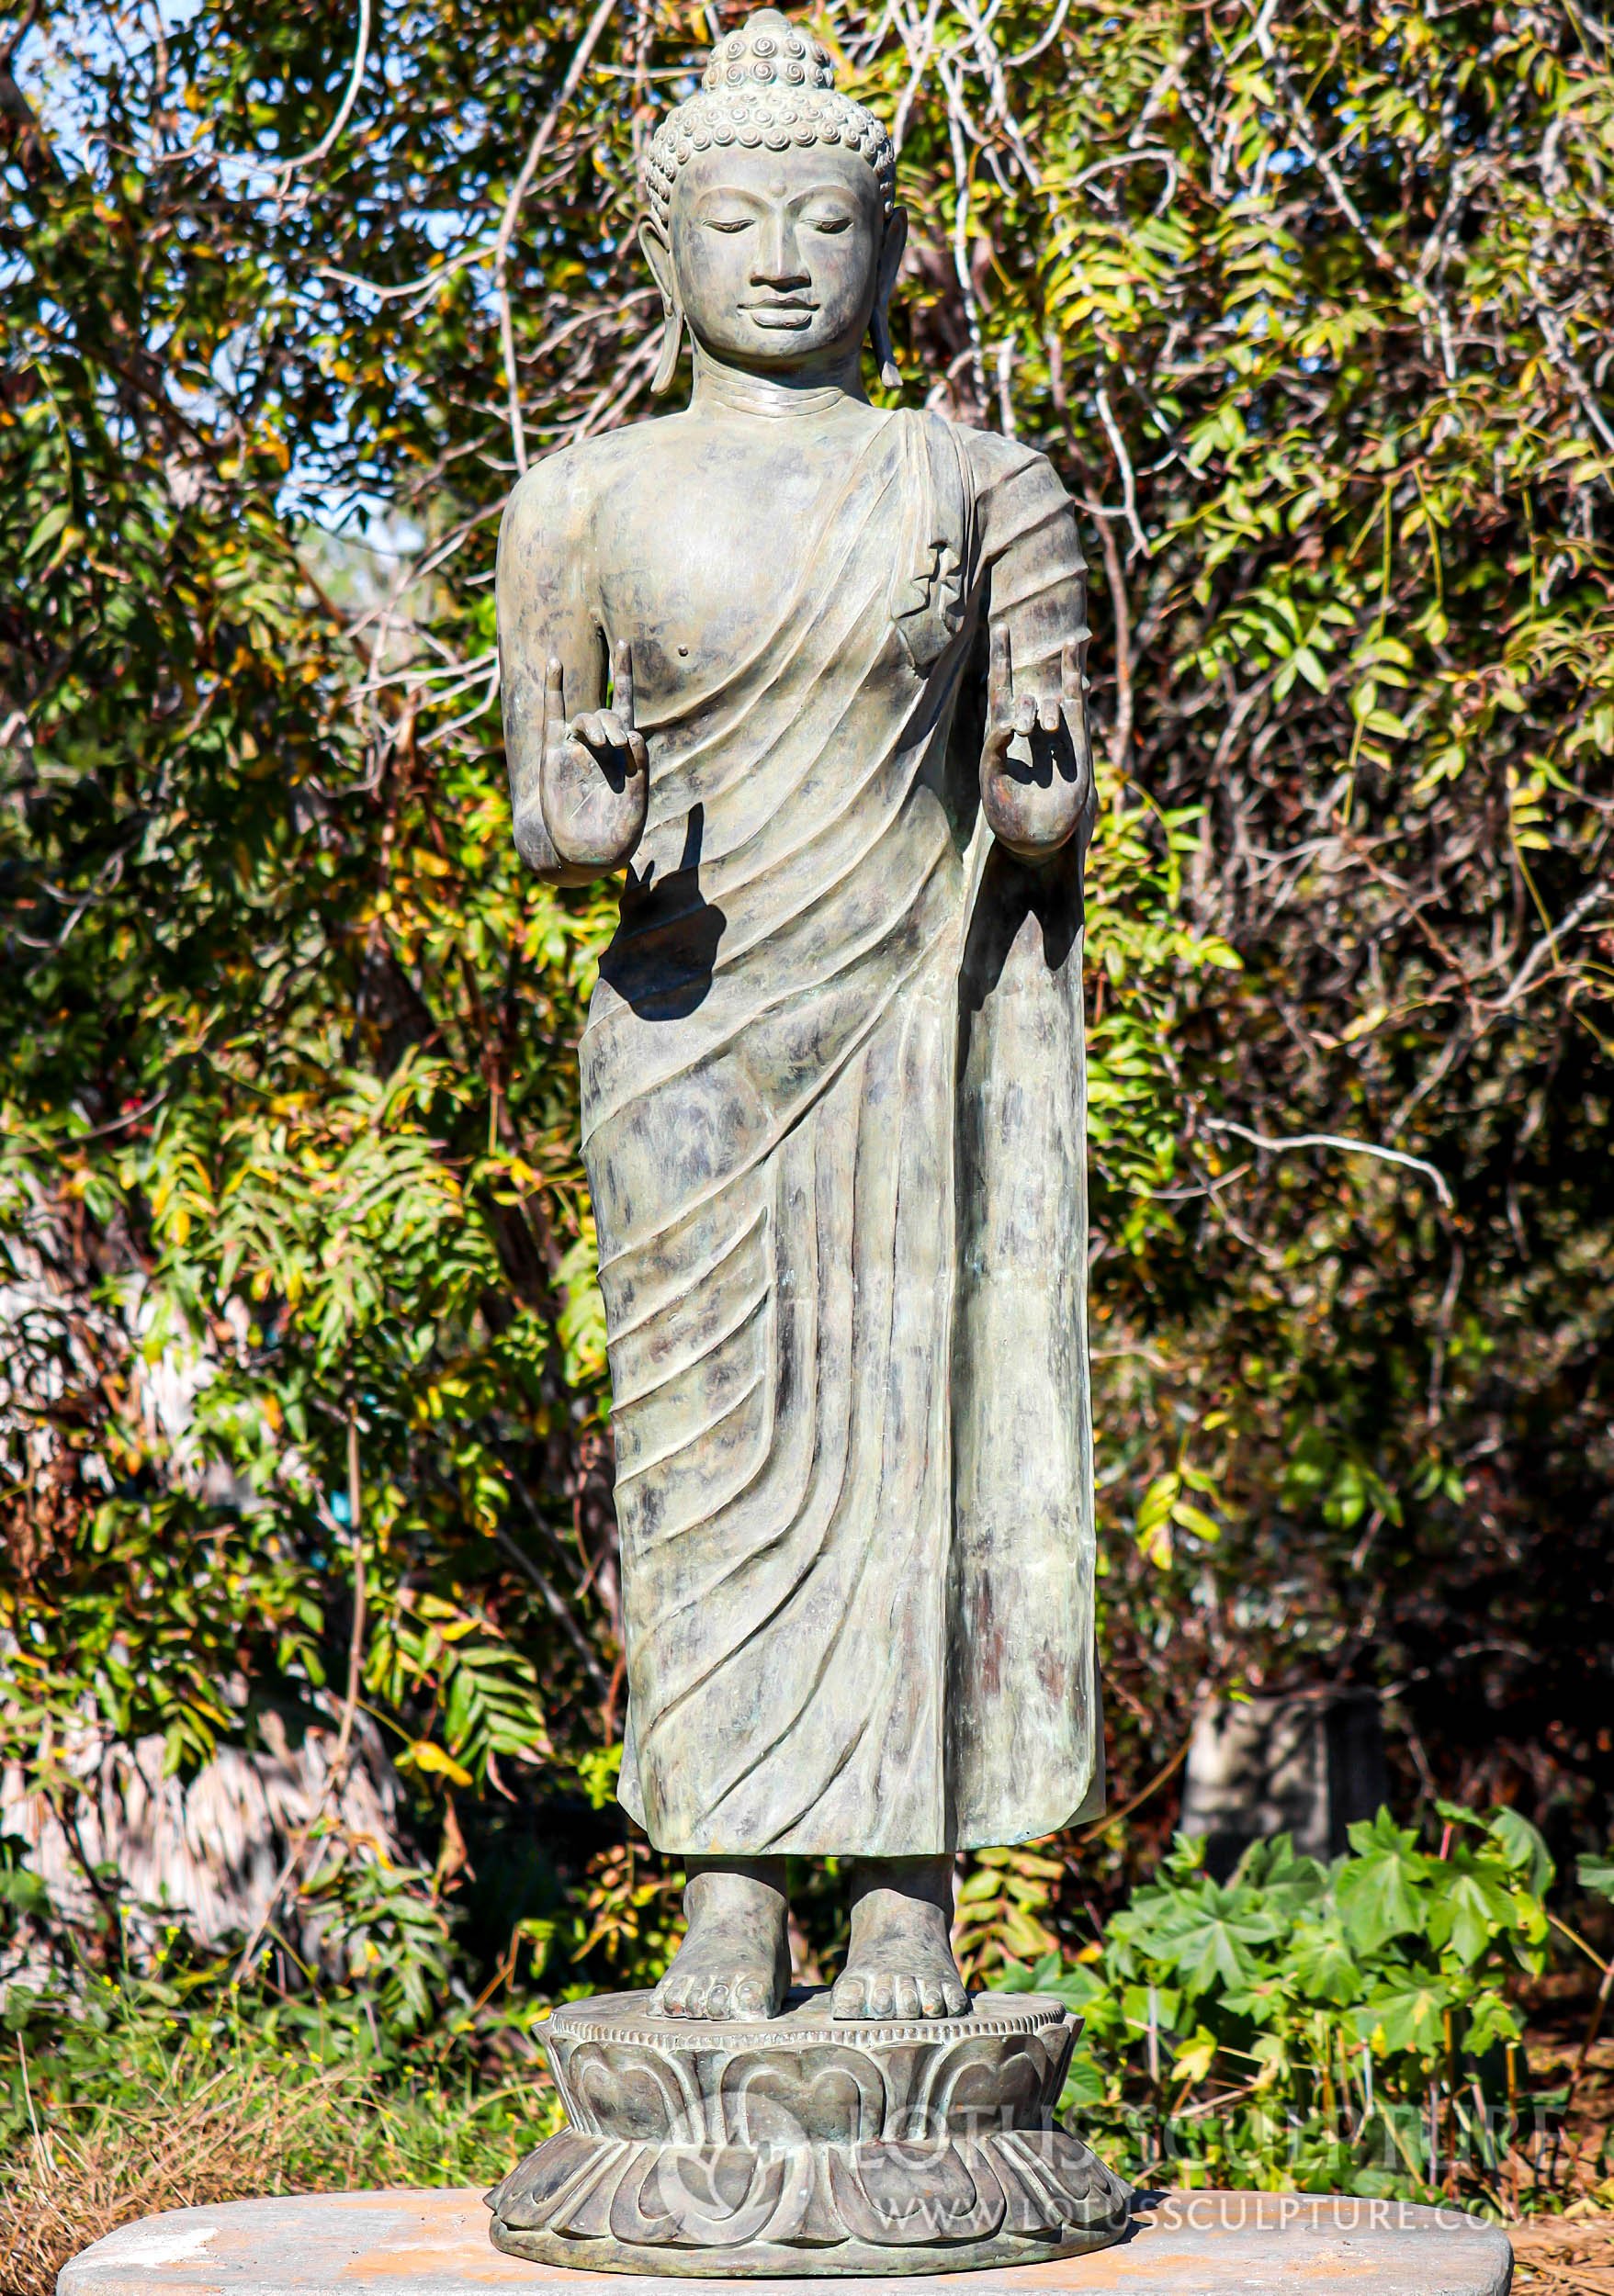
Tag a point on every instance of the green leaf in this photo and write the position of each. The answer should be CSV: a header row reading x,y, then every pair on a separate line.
x,y
1323,1963
1382,1888
1468,1911
1409,2017
1523,1849
1596,1872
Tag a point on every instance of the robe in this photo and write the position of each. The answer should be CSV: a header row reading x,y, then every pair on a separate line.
x,y
834,1127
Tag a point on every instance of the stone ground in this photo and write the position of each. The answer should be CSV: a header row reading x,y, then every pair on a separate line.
x,y
435,2244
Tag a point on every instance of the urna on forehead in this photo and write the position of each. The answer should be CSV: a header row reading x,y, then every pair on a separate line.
x,y
770,87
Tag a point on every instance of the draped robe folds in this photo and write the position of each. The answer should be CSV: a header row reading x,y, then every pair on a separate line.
x,y
834,1127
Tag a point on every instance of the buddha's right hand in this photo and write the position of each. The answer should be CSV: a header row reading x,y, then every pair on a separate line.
x,y
594,781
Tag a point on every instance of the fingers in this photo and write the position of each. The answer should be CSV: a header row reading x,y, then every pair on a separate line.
x,y
1050,713
1009,723
621,734
604,731
597,729
999,673
622,681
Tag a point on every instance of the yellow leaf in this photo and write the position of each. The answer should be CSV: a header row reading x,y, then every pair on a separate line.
x,y
424,1755
1192,2061
1364,1024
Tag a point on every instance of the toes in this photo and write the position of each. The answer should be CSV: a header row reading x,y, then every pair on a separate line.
x,y
905,1996
846,1997
933,1998
879,1991
717,1997
749,1998
671,1997
956,1998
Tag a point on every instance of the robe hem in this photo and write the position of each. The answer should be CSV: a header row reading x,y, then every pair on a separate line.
x,y
795,1845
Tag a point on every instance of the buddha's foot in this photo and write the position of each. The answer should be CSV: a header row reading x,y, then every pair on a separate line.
x,y
735,1961
900,1961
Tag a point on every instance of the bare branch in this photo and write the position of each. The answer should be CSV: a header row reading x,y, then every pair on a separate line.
x,y
518,191
1334,1139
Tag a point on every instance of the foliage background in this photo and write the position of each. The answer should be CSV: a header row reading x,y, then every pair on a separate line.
x,y
304,1397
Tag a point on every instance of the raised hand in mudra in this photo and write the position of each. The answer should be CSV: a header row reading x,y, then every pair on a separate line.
x,y
595,780
1037,800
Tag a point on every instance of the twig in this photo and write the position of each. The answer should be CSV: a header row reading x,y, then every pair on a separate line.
x,y
335,1777
1461,1045
100,1132
1128,482
1562,356
518,191
1448,1308
1312,151
1332,1140
961,207
920,51
554,1601
1154,1786
344,112
427,280
1547,947
1005,392
1121,614
1599,2006
1012,63
559,1610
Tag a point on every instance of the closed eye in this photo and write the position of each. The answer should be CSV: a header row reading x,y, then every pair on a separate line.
x,y
729,223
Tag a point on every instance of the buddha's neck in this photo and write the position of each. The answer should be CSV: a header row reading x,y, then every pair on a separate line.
x,y
722,389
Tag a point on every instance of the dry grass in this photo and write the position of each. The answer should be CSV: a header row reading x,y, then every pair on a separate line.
x,y
227,2139
230,2121
1565,2256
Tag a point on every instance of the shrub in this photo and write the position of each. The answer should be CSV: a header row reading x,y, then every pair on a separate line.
x,y
1336,2028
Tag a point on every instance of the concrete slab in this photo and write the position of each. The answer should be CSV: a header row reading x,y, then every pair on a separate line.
x,y
435,2244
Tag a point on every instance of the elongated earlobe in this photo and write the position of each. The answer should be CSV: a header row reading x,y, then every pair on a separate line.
x,y
880,327
671,343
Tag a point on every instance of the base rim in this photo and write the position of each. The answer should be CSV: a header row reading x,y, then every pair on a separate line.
x,y
852,2259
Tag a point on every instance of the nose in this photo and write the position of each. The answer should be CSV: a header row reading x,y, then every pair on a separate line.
x,y
777,262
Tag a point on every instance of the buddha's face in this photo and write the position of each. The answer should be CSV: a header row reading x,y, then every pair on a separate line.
x,y
779,256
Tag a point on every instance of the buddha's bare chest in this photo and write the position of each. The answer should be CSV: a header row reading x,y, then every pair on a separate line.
x,y
699,558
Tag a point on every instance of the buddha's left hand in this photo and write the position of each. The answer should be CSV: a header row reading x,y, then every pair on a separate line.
x,y
1034,803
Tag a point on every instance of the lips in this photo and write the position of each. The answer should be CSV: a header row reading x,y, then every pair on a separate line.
x,y
781,314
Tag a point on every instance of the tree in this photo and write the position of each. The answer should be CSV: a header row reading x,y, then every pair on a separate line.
x,y
1310,306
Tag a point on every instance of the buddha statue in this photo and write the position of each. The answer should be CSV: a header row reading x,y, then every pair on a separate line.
x,y
809,674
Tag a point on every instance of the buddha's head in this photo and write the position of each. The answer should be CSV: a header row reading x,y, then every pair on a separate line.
x,y
772,225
